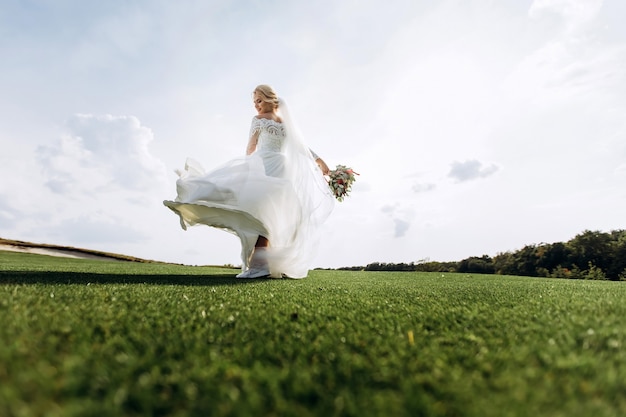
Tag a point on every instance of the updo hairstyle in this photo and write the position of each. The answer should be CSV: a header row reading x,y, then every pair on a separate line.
x,y
267,94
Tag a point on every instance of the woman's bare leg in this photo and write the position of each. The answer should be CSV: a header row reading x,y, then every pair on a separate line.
x,y
262,242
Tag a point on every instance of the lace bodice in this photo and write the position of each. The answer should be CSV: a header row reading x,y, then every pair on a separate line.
x,y
271,134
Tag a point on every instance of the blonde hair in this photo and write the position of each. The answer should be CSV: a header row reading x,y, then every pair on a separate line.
x,y
267,94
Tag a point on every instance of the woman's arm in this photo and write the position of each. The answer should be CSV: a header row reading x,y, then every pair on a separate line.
x,y
320,162
255,129
322,165
254,139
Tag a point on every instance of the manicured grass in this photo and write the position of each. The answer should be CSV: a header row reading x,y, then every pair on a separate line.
x,y
97,338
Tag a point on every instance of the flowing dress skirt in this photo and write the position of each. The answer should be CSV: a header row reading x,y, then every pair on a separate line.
x,y
251,197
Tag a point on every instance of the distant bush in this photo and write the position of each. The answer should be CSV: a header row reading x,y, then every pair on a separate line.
x,y
589,255
594,273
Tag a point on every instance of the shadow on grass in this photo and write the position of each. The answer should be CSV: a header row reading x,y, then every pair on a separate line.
x,y
84,278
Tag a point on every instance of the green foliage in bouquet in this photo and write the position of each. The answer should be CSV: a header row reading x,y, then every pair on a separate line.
x,y
340,181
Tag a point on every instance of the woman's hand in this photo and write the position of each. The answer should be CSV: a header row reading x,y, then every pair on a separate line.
x,y
323,166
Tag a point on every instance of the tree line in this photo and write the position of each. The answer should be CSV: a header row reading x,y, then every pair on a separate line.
x,y
589,255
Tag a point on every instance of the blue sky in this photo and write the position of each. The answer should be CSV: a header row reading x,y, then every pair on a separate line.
x,y
477,126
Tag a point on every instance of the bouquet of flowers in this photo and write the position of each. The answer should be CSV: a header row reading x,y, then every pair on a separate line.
x,y
340,181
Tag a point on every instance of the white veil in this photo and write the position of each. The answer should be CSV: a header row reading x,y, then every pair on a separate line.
x,y
315,201
301,168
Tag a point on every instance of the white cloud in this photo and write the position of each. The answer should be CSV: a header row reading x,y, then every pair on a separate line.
x,y
423,187
470,170
565,69
99,185
575,13
574,62
401,216
401,227
100,153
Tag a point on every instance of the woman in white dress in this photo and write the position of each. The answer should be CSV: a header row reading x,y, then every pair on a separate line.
x,y
274,199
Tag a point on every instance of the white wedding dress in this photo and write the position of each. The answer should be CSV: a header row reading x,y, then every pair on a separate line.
x,y
277,192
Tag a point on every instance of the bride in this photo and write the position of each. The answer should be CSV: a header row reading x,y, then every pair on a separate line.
x,y
274,199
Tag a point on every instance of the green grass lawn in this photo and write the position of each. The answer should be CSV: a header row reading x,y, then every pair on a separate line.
x,y
98,338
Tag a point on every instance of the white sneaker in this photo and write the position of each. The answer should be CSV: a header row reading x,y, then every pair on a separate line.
x,y
254,273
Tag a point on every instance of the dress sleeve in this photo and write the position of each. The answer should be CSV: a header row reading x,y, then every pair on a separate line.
x,y
313,154
255,126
